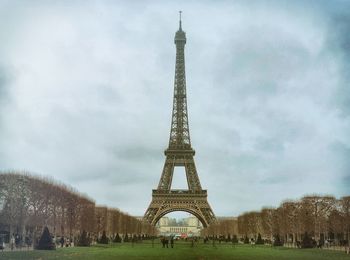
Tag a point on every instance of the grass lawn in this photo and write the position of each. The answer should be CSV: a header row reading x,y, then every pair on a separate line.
x,y
182,250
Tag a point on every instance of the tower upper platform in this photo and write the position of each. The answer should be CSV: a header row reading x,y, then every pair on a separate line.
x,y
180,35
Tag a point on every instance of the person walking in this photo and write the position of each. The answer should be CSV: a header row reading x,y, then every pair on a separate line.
x,y
172,242
12,241
2,244
27,241
166,242
62,241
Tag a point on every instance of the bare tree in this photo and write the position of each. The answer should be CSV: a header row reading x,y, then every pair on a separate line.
x,y
28,203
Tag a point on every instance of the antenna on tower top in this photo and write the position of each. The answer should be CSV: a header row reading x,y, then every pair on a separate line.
x,y
180,19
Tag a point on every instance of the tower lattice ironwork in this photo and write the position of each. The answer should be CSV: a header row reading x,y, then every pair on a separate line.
x,y
179,153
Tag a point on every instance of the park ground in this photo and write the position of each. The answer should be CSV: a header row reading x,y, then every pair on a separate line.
x,y
181,250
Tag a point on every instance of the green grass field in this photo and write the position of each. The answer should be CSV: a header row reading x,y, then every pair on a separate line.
x,y
182,250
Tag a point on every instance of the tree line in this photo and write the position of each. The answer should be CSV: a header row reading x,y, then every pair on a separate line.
x,y
29,203
321,218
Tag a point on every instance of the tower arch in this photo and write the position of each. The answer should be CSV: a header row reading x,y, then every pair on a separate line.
x,y
170,210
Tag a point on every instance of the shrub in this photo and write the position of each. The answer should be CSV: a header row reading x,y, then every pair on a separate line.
x,y
84,239
234,239
45,242
307,241
126,237
277,241
246,240
259,241
117,239
104,238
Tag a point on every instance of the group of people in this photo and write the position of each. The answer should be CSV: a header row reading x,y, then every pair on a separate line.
x,y
16,241
65,242
165,241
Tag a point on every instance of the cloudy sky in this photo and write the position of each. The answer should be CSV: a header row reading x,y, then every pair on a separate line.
x,y
86,94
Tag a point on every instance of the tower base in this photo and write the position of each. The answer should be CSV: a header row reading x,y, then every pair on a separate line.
x,y
164,202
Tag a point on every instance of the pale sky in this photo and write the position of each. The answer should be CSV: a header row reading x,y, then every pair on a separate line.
x,y
86,96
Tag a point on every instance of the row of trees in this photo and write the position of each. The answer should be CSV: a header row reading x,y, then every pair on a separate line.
x,y
28,203
320,217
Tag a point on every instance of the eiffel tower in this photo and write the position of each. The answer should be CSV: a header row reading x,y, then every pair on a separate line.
x,y
179,153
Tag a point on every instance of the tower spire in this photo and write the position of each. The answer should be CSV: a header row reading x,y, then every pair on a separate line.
x,y
180,27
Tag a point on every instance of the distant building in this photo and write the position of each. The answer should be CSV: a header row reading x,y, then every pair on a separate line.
x,y
185,227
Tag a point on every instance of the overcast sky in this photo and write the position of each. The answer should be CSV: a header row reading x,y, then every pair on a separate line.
x,y
86,96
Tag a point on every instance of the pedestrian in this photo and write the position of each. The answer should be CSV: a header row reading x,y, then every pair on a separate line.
x,y
27,241
17,241
12,241
326,243
2,244
166,242
172,242
162,240
252,242
62,241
